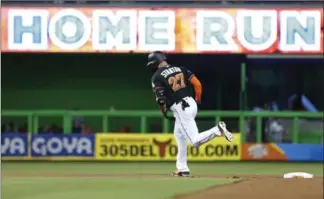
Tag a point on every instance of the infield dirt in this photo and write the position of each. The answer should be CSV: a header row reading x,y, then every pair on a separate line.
x,y
245,186
263,187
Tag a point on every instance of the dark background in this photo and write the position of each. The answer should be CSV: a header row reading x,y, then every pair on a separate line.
x,y
100,81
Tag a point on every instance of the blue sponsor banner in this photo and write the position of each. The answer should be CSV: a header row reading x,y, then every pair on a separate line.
x,y
50,145
14,145
303,152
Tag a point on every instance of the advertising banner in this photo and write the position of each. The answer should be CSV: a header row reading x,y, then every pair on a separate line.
x,y
263,152
303,152
14,145
178,30
283,152
159,147
68,146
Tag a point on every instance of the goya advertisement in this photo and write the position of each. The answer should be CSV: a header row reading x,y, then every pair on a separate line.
x,y
283,152
14,145
47,147
62,145
175,30
158,147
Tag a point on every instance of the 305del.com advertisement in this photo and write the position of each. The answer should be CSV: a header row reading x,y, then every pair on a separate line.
x,y
112,147
158,147
174,30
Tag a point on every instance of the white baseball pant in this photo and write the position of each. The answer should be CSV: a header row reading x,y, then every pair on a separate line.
x,y
185,129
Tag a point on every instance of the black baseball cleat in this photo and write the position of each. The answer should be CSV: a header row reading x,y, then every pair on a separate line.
x,y
181,174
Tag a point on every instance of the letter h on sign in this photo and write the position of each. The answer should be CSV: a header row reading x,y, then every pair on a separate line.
x,y
27,29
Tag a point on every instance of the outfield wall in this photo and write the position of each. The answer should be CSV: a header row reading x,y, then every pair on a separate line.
x,y
146,147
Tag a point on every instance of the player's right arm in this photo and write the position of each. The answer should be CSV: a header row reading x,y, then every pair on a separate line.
x,y
160,98
194,81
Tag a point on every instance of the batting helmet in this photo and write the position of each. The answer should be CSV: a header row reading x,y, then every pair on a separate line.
x,y
155,58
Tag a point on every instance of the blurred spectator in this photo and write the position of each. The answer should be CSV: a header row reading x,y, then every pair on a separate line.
x,y
23,129
3,128
77,123
13,127
54,128
271,128
44,129
87,130
276,131
261,106
9,128
295,104
125,129
300,102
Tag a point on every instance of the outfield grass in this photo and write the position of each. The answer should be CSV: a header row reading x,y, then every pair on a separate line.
x,y
270,168
98,188
126,187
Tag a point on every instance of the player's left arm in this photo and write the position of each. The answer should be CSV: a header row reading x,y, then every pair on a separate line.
x,y
160,98
194,81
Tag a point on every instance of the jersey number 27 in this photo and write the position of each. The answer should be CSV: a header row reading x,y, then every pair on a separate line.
x,y
177,81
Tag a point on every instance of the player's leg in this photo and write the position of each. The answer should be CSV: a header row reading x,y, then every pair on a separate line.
x,y
220,129
195,138
189,127
181,164
182,149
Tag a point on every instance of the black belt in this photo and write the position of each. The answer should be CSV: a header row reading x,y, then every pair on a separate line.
x,y
184,103
180,100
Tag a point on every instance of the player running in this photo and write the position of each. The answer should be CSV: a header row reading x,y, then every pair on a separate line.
x,y
172,86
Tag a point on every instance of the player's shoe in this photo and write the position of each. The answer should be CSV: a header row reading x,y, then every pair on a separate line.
x,y
181,174
222,128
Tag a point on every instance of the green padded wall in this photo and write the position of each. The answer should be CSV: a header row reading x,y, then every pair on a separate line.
x,y
68,81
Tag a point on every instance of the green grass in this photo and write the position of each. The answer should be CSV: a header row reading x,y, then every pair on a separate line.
x,y
97,188
270,168
127,188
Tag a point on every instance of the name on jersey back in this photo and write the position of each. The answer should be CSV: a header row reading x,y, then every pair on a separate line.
x,y
170,71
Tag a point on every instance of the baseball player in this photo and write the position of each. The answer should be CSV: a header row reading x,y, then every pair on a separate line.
x,y
172,85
